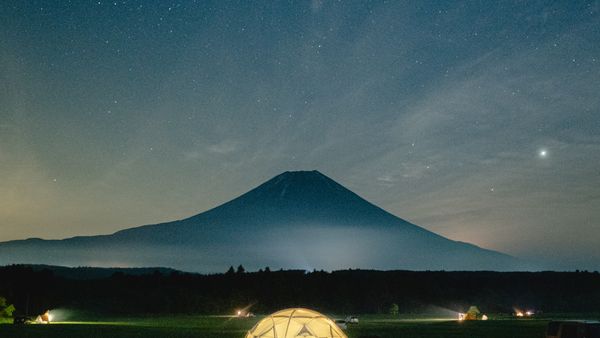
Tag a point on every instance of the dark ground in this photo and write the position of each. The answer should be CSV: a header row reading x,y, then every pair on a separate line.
x,y
219,327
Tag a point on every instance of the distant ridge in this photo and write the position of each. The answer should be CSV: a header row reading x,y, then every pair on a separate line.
x,y
88,272
298,219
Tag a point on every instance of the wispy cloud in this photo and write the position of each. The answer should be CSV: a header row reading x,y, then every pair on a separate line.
x,y
223,147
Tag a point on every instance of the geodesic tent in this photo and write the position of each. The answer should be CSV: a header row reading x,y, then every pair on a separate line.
x,y
292,323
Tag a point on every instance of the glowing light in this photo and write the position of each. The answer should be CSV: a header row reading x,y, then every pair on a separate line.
x,y
46,317
519,314
461,317
543,153
484,317
529,313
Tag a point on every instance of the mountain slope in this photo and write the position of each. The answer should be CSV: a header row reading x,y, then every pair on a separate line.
x,y
295,220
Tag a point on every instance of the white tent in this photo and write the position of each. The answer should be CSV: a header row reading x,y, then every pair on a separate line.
x,y
292,323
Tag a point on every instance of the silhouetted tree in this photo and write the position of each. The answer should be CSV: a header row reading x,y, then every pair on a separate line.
x,y
230,271
6,310
394,309
240,269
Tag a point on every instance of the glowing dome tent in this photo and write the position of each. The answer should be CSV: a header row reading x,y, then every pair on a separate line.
x,y
292,323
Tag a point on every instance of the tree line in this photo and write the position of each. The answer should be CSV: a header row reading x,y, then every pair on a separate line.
x,y
348,291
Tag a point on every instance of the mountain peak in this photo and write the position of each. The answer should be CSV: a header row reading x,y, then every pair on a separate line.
x,y
302,179
302,184
302,196
301,174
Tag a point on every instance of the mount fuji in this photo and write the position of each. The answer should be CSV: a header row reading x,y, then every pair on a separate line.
x,y
300,219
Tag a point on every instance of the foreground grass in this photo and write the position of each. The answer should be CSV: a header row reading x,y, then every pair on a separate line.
x,y
222,327
425,329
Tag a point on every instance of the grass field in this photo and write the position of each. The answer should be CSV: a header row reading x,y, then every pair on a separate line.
x,y
224,327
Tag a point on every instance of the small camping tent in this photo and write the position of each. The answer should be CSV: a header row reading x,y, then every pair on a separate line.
x,y
473,313
292,323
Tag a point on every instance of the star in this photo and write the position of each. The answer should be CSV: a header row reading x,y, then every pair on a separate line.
x,y
543,153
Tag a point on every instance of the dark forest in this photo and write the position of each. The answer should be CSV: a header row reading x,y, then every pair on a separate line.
x,y
348,291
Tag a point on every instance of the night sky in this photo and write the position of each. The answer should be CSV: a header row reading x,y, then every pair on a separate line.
x,y
477,120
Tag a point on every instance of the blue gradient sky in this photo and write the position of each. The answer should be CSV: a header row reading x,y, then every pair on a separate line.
x,y
117,114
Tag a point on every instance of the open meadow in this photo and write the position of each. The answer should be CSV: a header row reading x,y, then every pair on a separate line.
x,y
225,327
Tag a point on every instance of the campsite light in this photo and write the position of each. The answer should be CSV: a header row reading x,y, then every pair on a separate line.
x,y
519,314
529,313
239,312
484,317
45,317
461,316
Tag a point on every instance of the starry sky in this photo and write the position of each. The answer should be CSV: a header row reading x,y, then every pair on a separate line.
x,y
478,120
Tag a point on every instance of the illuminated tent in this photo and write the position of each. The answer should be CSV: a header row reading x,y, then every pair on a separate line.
x,y
292,323
473,313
